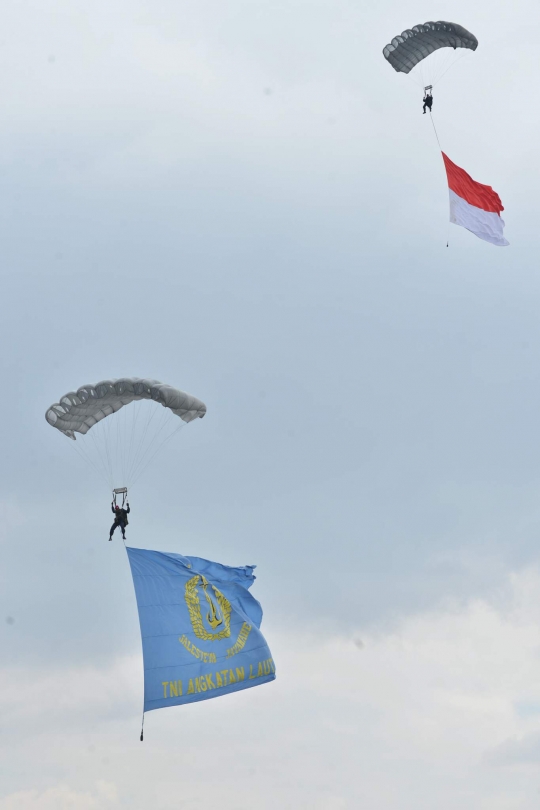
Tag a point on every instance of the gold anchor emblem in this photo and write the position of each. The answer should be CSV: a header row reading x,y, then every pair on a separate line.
x,y
214,616
218,615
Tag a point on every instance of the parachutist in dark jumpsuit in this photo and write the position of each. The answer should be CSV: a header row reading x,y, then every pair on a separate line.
x,y
428,101
120,519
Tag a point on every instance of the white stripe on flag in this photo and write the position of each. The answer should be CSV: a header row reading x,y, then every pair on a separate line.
x,y
486,225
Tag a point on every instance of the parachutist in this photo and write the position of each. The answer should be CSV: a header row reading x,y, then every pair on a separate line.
x,y
428,102
120,519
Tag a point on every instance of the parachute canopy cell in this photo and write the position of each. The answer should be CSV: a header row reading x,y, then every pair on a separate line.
x,y
411,46
80,410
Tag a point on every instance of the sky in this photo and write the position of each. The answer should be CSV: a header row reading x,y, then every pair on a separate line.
x,y
244,200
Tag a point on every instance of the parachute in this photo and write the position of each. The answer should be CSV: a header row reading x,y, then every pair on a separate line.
x,y
411,47
121,441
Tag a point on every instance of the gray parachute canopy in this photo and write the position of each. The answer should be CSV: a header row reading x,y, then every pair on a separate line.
x,y
411,46
80,410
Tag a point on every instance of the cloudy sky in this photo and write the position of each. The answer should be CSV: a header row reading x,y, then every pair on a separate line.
x,y
243,199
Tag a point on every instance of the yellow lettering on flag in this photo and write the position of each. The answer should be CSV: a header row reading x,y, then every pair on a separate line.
x,y
240,641
207,657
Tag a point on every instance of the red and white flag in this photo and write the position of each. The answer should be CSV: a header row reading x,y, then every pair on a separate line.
x,y
473,205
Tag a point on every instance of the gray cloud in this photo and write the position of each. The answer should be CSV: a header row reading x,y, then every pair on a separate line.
x,y
372,395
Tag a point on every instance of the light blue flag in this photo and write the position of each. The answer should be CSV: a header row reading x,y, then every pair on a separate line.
x,y
199,626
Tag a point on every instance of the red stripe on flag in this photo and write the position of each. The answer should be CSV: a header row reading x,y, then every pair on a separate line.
x,y
469,190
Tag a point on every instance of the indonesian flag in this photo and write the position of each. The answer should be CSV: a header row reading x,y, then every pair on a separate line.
x,y
473,205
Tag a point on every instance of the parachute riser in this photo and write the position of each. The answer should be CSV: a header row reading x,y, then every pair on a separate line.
x,y
120,491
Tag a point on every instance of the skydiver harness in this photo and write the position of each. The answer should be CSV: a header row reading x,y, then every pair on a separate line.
x,y
120,516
